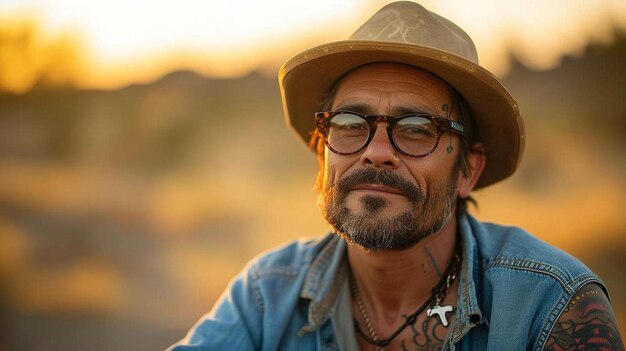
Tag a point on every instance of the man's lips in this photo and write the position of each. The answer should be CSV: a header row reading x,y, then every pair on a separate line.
x,y
378,188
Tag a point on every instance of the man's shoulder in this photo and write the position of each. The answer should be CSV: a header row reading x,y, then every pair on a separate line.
x,y
513,247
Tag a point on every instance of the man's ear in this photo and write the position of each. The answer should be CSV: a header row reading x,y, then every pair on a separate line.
x,y
475,163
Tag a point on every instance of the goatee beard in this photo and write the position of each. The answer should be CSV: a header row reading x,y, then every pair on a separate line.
x,y
368,229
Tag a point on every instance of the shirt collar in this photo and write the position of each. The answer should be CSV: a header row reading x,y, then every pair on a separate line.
x,y
469,313
323,282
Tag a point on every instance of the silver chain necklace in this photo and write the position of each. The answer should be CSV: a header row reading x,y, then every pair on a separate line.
x,y
437,296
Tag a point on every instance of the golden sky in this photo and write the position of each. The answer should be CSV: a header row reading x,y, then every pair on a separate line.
x,y
124,41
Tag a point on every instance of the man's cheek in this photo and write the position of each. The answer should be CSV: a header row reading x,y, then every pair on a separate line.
x,y
352,200
330,175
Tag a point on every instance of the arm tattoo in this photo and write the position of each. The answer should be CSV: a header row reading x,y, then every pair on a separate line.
x,y
587,323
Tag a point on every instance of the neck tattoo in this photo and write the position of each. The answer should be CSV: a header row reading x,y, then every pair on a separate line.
x,y
437,295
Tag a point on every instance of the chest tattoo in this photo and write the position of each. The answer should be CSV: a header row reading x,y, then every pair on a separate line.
x,y
428,335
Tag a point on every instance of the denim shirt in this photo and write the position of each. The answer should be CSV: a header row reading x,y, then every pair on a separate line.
x,y
512,289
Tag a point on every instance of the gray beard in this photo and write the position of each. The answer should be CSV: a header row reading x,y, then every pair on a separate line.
x,y
428,214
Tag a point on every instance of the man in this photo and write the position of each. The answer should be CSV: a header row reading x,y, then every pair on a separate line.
x,y
406,124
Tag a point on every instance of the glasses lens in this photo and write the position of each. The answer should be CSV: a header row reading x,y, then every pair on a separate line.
x,y
347,133
415,135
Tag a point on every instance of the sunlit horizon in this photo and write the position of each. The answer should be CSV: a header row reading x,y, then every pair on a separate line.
x,y
130,194
117,43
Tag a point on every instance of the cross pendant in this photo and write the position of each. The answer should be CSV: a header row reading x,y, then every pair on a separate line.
x,y
441,312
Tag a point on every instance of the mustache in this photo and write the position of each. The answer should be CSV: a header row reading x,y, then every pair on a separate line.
x,y
380,177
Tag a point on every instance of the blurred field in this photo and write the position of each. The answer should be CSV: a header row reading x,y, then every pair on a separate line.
x,y
124,213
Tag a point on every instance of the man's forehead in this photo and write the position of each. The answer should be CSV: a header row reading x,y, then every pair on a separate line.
x,y
395,87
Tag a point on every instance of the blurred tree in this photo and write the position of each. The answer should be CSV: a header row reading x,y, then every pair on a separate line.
x,y
29,59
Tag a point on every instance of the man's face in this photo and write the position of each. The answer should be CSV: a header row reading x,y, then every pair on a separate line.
x,y
379,198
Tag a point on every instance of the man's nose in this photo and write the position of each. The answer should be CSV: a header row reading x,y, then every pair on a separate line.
x,y
380,152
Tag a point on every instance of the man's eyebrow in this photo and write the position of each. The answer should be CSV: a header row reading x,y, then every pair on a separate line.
x,y
405,110
368,110
356,107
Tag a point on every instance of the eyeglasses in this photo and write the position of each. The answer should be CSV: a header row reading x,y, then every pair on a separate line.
x,y
415,135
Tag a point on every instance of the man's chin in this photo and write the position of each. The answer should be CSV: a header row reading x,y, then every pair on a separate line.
x,y
376,234
375,207
378,243
373,219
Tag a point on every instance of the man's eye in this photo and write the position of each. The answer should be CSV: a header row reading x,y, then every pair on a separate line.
x,y
414,131
349,127
354,126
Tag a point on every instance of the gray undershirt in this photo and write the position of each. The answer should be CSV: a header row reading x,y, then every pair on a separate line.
x,y
342,319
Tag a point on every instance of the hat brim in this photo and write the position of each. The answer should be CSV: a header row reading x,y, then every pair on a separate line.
x,y
306,79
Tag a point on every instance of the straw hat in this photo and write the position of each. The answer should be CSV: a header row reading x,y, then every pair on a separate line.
x,y
405,32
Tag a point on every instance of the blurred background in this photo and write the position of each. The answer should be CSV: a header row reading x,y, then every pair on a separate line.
x,y
144,158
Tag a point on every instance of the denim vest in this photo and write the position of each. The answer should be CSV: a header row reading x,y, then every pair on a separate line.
x,y
512,289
